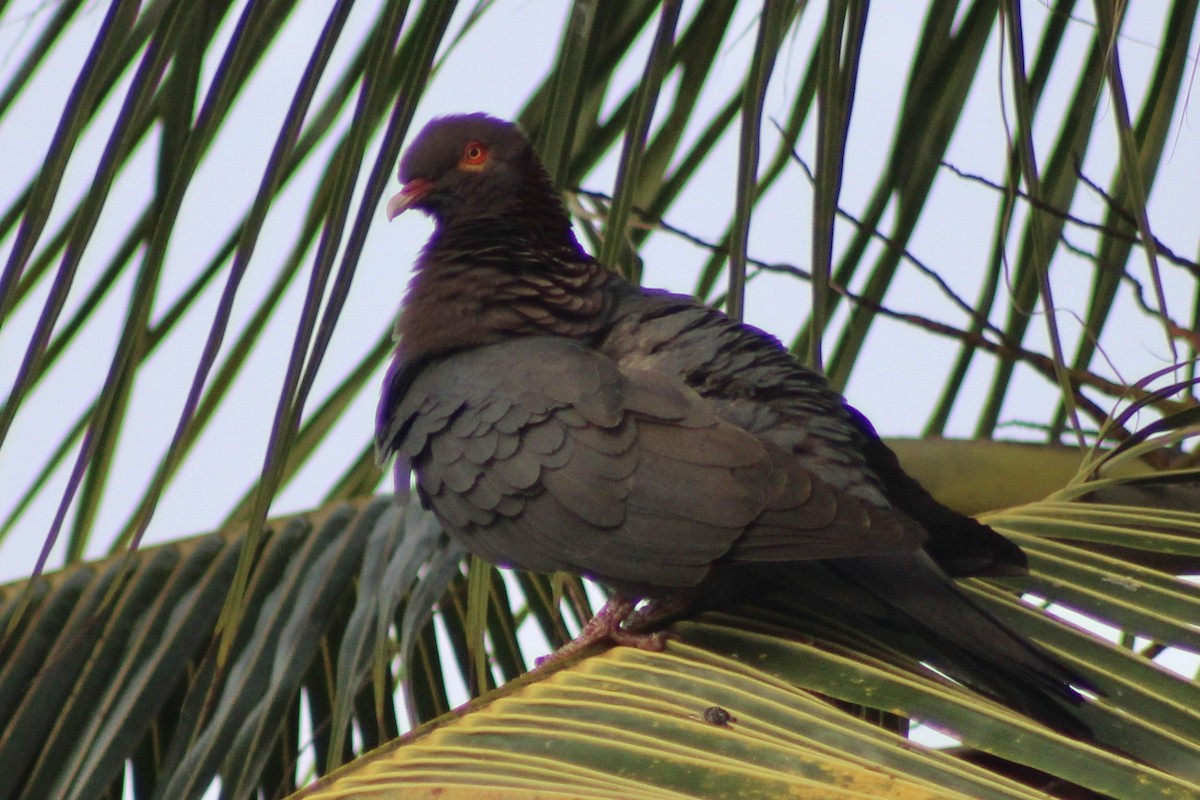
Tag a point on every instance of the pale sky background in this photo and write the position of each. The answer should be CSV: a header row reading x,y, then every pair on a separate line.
x,y
900,370
895,385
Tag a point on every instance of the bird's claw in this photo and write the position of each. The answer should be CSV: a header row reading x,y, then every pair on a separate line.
x,y
607,625
653,642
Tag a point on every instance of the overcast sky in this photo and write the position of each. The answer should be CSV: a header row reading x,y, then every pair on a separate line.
x,y
895,385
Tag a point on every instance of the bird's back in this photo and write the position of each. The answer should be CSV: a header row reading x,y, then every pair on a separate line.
x,y
750,380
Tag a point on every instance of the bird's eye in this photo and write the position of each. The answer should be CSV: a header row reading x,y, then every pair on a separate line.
x,y
474,156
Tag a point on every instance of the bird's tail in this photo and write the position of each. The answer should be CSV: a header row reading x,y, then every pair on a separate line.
x,y
909,604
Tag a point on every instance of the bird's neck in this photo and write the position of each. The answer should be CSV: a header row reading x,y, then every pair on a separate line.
x,y
496,282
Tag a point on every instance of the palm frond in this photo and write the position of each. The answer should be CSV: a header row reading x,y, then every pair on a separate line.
x,y
643,723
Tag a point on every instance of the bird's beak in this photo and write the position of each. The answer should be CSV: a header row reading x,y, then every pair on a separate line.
x,y
409,195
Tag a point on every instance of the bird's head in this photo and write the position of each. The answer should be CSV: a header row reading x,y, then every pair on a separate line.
x,y
466,167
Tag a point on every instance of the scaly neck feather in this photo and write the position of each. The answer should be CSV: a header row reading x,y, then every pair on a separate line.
x,y
482,282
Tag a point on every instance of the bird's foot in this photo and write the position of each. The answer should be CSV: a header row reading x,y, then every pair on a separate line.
x,y
655,612
606,626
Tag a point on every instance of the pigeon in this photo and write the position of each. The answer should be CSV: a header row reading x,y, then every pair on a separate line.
x,y
557,417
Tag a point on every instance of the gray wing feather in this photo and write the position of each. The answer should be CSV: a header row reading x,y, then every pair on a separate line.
x,y
543,454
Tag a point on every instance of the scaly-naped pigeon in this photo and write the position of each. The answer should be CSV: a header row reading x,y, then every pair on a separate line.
x,y
558,417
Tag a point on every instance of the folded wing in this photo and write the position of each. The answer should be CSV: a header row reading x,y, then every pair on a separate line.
x,y
545,455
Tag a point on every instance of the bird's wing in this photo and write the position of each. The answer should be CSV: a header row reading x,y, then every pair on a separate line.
x,y
544,454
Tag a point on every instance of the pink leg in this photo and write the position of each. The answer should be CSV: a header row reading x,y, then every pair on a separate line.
x,y
606,625
655,612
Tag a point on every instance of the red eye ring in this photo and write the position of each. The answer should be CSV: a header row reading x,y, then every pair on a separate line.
x,y
475,154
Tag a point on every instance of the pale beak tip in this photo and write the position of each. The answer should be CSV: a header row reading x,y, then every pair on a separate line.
x,y
409,195
397,204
